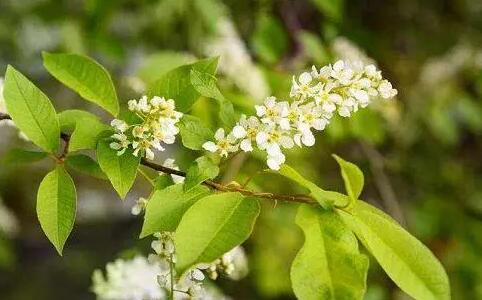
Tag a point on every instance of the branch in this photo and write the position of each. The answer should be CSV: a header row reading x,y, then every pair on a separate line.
x,y
212,184
234,188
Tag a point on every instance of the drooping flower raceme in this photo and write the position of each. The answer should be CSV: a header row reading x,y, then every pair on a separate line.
x,y
341,88
158,127
150,278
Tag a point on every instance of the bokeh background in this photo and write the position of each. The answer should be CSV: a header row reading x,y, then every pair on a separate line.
x,y
421,153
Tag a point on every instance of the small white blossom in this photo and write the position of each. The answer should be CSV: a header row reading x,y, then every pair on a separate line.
x,y
273,112
246,130
139,207
224,144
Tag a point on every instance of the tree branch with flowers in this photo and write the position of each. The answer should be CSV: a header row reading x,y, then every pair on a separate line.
x,y
196,220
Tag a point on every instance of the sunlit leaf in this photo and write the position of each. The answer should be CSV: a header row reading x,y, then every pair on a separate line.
x,y
212,226
329,265
31,111
408,262
56,206
85,76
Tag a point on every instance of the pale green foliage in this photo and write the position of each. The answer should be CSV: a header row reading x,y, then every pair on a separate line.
x,y
121,170
331,8
176,84
31,110
269,40
329,265
352,176
193,132
212,226
325,198
86,77
202,169
405,259
56,205
85,165
167,206
86,128
205,84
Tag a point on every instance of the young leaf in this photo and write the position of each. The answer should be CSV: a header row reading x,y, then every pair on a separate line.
x,y
405,259
352,176
56,205
203,169
325,198
329,265
87,129
176,84
212,226
205,84
269,40
167,206
157,64
85,165
85,76
193,132
121,170
20,156
31,111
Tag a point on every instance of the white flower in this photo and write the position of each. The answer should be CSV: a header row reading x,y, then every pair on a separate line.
x,y
304,88
224,144
133,279
171,163
246,129
272,139
273,112
139,207
342,72
386,90
312,116
119,125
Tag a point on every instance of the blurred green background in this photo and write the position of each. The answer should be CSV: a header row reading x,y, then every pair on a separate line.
x,y
421,153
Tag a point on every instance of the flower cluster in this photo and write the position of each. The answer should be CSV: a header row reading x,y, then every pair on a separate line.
x,y
149,279
341,88
158,127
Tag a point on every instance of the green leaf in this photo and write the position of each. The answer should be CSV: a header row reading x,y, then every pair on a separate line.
x,y
56,205
85,165
85,76
408,262
212,226
205,84
329,265
193,132
31,111
352,176
167,206
325,198
203,169
176,84
270,41
20,156
121,170
87,129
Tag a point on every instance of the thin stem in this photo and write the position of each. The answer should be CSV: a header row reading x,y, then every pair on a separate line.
x,y
171,268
